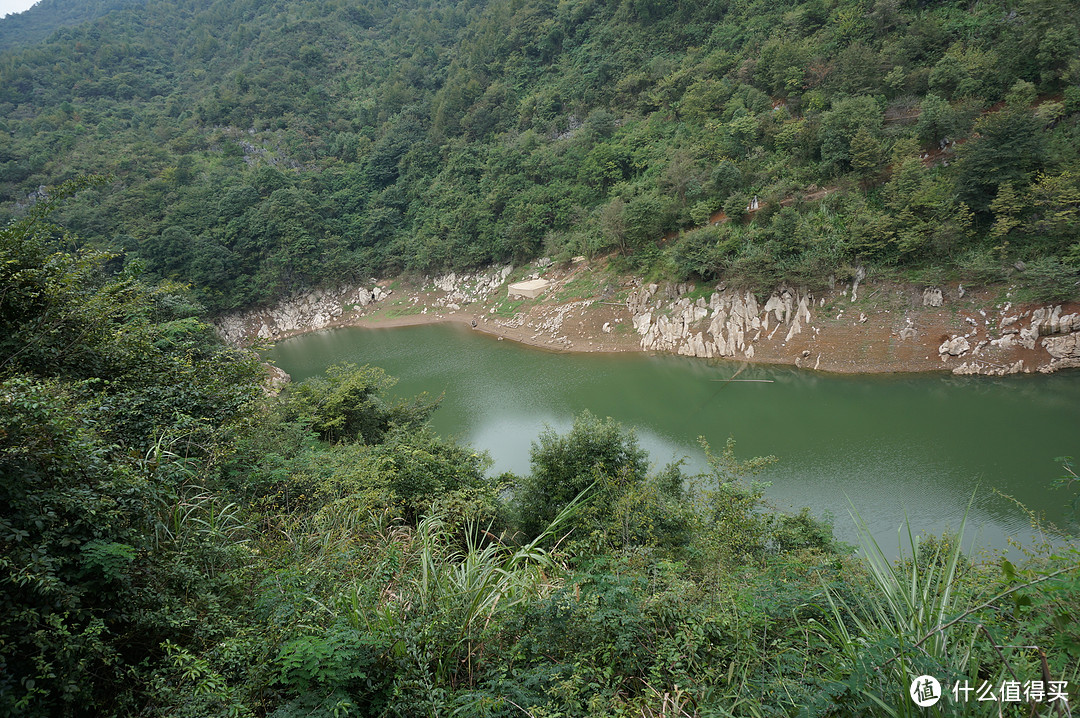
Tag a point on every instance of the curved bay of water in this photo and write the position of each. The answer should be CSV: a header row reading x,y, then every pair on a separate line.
x,y
918,445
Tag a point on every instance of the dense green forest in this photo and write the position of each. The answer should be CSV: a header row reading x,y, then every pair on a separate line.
x,y
175,541
259,146
30,28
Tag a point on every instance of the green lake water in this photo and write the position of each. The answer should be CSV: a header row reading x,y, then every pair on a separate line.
x,y
920,444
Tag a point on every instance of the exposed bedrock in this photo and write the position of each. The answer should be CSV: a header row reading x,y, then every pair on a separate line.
x,y
725,324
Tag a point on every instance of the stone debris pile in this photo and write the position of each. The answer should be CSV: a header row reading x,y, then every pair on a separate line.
x,y
461,289
1046,327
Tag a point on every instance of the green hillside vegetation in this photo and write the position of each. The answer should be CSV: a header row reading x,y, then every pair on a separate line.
x,y
48,16
176,542
261,147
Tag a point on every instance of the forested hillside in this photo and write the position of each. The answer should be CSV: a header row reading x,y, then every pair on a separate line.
x,y
257,147
48,16
175,542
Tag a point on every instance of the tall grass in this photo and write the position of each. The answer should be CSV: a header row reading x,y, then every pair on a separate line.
x,y
897,631
922,617
467,582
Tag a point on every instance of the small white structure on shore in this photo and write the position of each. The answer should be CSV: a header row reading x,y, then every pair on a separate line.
x,y
530,289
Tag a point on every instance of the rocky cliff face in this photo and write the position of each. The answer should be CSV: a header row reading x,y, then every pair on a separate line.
x,y
321,308
732,324
727,324
303,312
462,289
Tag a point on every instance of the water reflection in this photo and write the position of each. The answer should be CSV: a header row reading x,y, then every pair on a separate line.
x,y
891,444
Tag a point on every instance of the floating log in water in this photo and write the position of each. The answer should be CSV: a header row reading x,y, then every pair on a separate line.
x,y
762,381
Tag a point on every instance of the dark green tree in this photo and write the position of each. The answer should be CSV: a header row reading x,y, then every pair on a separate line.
x,y
1010,146
348,404
109,391
564,466
840,125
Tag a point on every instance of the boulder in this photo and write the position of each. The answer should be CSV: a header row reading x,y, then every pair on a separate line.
x,y
1029,335
1009,341
276,379
642,322
956,346
860,274
1065,346
796,328
776,306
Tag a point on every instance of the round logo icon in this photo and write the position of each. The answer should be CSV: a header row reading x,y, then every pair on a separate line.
x,y
925,691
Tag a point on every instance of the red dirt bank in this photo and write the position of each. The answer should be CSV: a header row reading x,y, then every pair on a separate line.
x,y
888,328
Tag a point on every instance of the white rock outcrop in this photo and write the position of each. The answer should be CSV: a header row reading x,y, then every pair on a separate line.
x,y
1064,350
976,367
725,325
956,346
461,289
1021,330
681,319
305,311
932,297
1063,347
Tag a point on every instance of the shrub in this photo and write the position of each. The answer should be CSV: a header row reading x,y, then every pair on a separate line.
x,y
1049,280
564,466
348,404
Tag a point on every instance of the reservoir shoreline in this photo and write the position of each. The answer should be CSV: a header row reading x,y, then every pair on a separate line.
x,y
847,328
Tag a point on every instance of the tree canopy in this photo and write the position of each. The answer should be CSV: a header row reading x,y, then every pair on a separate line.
x,y
261,147
177,541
